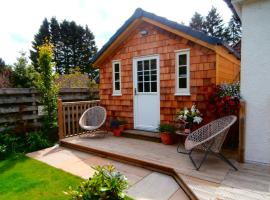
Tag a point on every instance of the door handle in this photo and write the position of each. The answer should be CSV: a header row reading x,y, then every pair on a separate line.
x,y
135,91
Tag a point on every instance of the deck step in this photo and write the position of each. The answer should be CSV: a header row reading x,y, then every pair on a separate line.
x,y
142,135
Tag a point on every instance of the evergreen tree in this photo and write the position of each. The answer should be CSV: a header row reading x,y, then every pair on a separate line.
x,y
197,22
2,64
39,39
213,24
73,44
24,75
234,31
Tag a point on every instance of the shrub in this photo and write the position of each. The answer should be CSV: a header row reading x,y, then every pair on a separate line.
x,y
169,128
106,184
36,141
3,151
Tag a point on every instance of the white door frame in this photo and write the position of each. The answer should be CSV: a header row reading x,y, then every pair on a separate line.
x,y
134,68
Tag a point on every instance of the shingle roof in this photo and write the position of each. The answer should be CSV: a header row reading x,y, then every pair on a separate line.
x,y
185,29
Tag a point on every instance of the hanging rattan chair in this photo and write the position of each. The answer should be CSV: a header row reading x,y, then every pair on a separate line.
x,y
93,121
209,138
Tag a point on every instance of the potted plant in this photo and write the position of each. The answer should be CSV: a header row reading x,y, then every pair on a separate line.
x,y
166,133
189,117
115,126
122,124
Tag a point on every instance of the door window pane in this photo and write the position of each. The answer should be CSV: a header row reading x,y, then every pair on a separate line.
x,y
146,65
146,86
182,71
116,67
154,64
117,85
153,86
140,87
146,76
116,77
139,66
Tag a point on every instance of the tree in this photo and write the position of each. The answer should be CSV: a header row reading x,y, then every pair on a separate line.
x,y
213,24
39,39
46,86
24,75
234,31
2,63
197,22
74,46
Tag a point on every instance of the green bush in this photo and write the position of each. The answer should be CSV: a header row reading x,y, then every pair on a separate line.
x,y
3,151
166,128
36,141
106,184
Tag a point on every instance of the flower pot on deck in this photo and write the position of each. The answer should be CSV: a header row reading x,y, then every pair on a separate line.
x,y
117,132
166,138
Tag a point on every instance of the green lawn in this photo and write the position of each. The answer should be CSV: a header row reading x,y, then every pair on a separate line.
x,y
24,178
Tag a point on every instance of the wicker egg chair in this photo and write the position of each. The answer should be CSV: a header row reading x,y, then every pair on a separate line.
x,y
93,120
209,138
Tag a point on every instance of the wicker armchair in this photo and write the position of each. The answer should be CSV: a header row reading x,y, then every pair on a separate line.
x,y
93,119
209,138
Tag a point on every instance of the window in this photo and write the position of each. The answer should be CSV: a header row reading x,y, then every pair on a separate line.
x,y
147,76
182,78
116,78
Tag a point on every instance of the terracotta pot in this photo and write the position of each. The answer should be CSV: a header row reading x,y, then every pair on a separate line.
x,y
166,138
122,127
117,132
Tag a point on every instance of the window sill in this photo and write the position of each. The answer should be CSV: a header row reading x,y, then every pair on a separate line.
x,y
116,95
182,94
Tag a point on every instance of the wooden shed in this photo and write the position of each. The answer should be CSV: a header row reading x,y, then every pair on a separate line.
x,y
151,67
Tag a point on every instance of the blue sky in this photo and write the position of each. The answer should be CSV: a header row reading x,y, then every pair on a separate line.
x,y
20,19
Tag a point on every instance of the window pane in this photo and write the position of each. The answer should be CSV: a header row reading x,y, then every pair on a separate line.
x,y
146,65
182,83
182,70
154,72
116,77
140,78
140,73
153,77
117,85
140,87
146,76
154,64
146,86
153,86
139,66
182,59
116,67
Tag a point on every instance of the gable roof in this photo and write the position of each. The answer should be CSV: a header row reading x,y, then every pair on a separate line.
x,y
140,13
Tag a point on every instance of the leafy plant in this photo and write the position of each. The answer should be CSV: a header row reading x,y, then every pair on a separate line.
x,y
46,86
115,123
106,184
169,128
3,151
189,116
36,141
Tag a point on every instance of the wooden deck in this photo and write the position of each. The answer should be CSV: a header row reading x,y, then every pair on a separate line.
x,y
215,180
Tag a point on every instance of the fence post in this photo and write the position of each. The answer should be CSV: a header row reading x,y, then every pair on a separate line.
x,y
242,126
60,118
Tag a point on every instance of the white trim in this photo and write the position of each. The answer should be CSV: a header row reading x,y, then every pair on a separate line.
x,y
134,69
182,91
116,92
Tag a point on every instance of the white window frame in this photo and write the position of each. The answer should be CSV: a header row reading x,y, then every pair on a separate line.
x,y
116,92
182,91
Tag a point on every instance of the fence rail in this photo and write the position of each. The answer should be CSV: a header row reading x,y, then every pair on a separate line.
x,y
19,106
69,114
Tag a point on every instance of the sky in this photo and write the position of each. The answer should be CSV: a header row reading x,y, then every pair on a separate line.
x,y
21,19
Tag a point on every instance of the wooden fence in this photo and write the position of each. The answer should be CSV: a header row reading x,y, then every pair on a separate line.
x,y
69,114
19,106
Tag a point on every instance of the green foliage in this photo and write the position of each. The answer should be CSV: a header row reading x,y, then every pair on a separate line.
x,y
106,183
197,21
48,90
36,140
24,75
235,31
74,46
3,151
2,64
169,128
25,178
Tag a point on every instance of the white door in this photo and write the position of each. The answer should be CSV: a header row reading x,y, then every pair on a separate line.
x,y
146,93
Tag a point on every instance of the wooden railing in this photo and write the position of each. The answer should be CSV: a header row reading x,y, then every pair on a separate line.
x,y
69,114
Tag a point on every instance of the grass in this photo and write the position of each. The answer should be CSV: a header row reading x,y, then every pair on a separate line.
x,y
24,178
